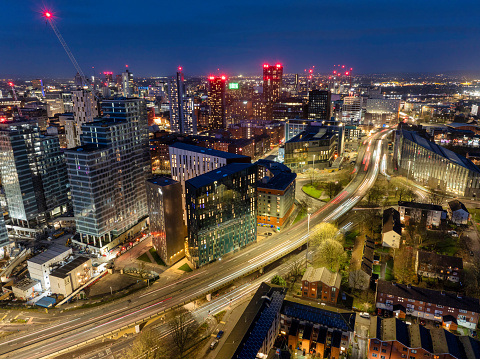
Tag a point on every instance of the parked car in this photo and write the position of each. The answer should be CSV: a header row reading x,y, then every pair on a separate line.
x,y
220,334
213,344
365,315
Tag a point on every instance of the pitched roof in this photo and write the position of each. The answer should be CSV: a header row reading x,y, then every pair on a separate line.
x,y
447,299
391,221
322,275
440,259
455,205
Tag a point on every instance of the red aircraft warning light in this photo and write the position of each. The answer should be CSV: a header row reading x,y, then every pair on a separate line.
x,y
265,65
11,84
180,68
347,73
278,65
47,14
224,77
211,78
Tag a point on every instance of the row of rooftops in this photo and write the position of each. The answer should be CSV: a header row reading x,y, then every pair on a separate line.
x,y
447,299
415,336
439,150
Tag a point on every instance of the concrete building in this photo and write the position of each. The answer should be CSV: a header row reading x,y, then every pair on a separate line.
x,y
431,214
85,109
111,153
457,212
26,288
313,148
319,105
33,174
382,111
433,265
4,241
221,212
430,164
352,109
275,193
216,101
428,304
127,84
294,127
39,267
392,228
164,196
321,284
71,276
182,114
392,338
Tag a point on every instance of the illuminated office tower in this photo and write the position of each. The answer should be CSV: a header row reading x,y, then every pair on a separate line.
x,y
127,83
352,109
182,114
85,109
319,105
272,87
3,234
38,85
216,102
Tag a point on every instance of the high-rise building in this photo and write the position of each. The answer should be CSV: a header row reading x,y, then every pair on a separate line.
x,y
166,224
272,87
127,83
182,114
221,212
85,109
216,102
38,85
33,174
78,80
382,111
132,110
319,105
352,109
3,234
107,182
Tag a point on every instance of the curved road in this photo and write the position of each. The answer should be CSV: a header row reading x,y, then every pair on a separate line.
x,y
75,328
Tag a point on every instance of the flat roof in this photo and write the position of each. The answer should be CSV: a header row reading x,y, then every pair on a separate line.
x,y
63,271
313,133
49,254
280,181
162,181
205,151
439,150
427,206
217,174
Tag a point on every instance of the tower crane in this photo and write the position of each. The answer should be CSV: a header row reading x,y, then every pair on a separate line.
x,y
49,18
14,93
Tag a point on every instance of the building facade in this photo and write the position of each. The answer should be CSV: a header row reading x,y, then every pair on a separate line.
x,y
166,218
39,267
85,109
433,265
216,101
419,212
319,105
221,211
457,212
391,229
71,276
182,114
321,284
272,87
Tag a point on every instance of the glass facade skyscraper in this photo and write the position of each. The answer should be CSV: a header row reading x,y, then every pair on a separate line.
x,y
319,105
221,211
182,114
33,172
3,232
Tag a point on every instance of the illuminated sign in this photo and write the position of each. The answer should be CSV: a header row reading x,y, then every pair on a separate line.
x,y
233,86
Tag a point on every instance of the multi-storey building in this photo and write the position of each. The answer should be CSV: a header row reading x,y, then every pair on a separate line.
x,y
3,234
107,182
40,266
295,127
127,83
85,109
216,101
166,223
321,284
315,147
221,211
391,228
391,338
430,164
33,174
352,109
428,304
272,87
275,193
182,114
319,103
289,108
430,213
71,276
382,111
443,267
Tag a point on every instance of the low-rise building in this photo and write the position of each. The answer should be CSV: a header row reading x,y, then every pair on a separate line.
x,y
457,212
40,266
391,338
428,304
320,283
392,228
430,213
432,265
66,279
26,288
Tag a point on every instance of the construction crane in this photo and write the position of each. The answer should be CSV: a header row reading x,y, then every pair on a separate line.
x,y
49,18
14,93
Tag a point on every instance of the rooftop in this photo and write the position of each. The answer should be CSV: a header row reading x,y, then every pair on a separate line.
x,y
439,150
313,133
217,174
63,271
25,284
50,254
447,299
206,151
322,275
280,181
391,221
440,259
162,181
426,206
455,205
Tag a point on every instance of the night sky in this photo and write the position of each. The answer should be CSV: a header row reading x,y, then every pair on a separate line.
x,y
153,37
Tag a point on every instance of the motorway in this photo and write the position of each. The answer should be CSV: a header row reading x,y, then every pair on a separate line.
x,y
75,328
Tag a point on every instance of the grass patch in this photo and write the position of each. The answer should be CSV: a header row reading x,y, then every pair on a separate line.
x,y
144,257
185,268
301,215
443,245
155,256
350,237
219,316
311,190
377,268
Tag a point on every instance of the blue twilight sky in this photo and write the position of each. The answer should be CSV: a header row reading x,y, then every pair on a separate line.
x,y
153,37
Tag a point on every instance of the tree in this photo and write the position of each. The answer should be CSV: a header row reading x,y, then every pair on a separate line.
x,y
410,195
182,326
358,279
374,194
323,232
333,188
147,345
436,198
278,281
332,254
404,266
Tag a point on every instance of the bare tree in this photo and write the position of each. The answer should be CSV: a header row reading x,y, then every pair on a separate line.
x,y
182,326
146,345
436,198
358,279
333,188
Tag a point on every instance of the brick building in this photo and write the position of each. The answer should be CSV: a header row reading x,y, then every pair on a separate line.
x,y
320,283
432,265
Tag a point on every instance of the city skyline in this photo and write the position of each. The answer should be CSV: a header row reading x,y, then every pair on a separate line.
x,y
239,39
